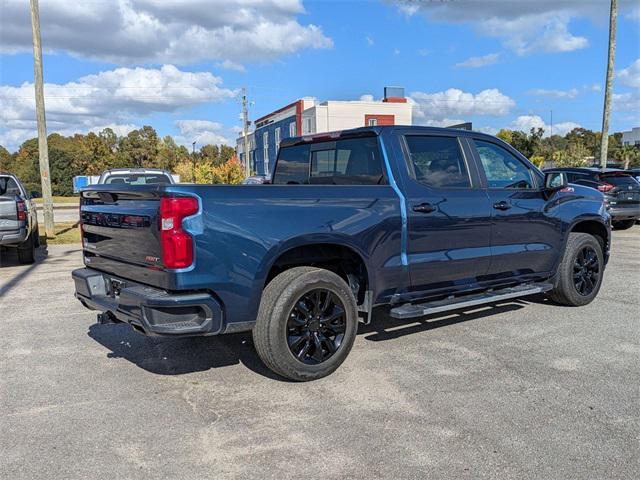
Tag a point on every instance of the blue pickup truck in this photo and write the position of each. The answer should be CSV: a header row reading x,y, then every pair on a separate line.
x,y
422,220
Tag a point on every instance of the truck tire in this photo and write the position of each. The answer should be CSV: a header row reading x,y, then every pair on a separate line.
x,y
579,275
307,323
623,224
27,251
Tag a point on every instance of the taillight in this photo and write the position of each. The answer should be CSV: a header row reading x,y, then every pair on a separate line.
x,y
177,245
22,210
605,187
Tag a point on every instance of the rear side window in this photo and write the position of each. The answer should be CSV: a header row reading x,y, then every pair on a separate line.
x,y
503,170
355,161
293,166
438,161
619,180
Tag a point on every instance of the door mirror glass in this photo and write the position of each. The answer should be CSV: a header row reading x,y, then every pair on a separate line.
x,y
555,180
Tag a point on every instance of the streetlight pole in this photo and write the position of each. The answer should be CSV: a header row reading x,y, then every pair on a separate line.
x,y
604,141
43,149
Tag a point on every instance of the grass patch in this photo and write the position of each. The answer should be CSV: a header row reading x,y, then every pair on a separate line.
x,y
65,233
73,199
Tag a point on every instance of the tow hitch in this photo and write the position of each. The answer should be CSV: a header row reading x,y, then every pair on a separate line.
x,y
106,318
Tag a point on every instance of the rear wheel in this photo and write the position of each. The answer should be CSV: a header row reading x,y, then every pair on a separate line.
x,y
579,275
306,324
623,224
27,250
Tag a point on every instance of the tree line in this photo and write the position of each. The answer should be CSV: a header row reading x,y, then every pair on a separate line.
x,y
578,148
92,153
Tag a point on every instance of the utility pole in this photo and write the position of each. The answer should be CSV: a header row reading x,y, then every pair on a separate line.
x,y
193,160
43,149
245,133
604,142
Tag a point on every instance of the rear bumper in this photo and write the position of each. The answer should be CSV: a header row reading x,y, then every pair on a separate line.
x,y
624,213
13,237
152,310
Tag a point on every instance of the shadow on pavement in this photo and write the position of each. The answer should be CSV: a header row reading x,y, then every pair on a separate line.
x,y
176,356
9,258
383,327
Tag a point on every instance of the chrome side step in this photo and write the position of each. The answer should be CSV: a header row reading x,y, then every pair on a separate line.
x,y
453,303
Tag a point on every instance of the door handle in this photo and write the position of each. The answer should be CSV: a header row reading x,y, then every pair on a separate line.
x,y
501,205
424,208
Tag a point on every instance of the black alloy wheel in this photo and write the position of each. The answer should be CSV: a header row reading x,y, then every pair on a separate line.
x,y
316,326
586,270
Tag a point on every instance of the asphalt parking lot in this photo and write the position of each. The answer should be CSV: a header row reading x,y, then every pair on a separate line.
x,y
524,389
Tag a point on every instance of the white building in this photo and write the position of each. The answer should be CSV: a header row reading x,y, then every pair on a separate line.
x,y
307,116
632,137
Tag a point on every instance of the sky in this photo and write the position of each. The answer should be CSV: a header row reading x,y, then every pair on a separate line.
x,y
179,65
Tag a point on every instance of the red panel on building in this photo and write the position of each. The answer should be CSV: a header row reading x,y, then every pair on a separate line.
x,y
380,119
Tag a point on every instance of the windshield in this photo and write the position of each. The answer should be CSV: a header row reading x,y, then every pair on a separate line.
x,y
137,179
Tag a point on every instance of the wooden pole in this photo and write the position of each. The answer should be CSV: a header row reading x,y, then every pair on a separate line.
x,y
43,150
604,141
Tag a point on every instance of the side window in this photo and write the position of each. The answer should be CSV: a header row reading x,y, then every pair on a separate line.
x,y
503,170
292,167
8,186
354,161
437,161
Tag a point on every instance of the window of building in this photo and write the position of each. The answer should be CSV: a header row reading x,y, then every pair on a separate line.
x,y
292,167
277,135
347,162
292,129
307,125
265,150
502,169
372,122
438,161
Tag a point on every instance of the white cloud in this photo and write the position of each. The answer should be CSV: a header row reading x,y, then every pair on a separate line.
x,y
526,122
477,62
542,92
229,65
369,40
114,97
163,31
634,14
367,97
201,131
454,103
630,76
525,26
627,102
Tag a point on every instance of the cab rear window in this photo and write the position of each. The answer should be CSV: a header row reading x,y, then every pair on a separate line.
x,y
355,161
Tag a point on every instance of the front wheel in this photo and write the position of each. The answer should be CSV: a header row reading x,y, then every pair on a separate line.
x,y
579,275
623,224
307,323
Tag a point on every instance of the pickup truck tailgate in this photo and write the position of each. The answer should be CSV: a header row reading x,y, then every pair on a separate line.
x,y
8,214
120,232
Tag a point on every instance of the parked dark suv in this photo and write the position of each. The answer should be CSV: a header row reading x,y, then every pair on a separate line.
x,y
620,187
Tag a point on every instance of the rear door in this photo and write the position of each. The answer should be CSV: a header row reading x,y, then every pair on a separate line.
x,y
448,215
524,238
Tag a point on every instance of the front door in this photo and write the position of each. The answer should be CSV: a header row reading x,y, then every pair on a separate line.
x,y
524,238
448,216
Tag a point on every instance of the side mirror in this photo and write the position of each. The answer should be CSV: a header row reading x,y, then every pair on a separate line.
x,y
555,180
34,194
